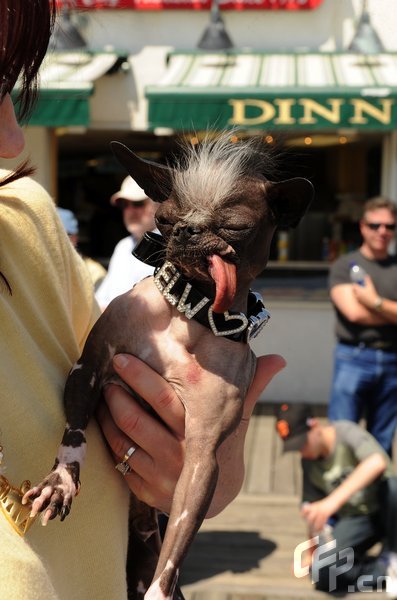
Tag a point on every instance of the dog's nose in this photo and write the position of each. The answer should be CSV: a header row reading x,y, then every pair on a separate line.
x,y
184,232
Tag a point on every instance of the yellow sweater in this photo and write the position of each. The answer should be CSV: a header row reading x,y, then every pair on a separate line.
x,y
43,326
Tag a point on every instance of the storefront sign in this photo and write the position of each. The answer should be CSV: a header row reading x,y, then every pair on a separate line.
x,y
179,112
310,113
192,4
302,90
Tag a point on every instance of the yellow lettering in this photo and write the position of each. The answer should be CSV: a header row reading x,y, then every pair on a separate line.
x,y
281,110
284,114
267,112
383,115
311,107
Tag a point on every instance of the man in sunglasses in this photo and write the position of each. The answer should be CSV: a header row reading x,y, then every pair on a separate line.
x,y
138,216
365,369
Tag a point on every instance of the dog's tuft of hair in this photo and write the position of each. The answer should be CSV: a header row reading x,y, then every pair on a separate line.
x,y
211,172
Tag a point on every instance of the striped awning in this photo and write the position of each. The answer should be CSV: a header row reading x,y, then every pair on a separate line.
x,y
306,91
67,82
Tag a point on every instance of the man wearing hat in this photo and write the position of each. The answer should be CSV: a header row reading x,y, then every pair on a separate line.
x,y
348,480
138,216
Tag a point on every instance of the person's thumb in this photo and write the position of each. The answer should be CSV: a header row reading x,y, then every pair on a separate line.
x,y
267,367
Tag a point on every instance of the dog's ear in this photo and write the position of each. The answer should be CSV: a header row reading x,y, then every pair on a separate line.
x,y
289,200
152,177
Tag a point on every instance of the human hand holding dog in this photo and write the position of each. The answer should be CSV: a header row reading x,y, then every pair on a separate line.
x,y
157,462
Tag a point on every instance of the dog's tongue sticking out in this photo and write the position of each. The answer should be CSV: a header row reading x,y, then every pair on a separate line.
x,y
224,275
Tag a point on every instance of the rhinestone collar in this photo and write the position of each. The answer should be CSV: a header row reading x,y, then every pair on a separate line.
x,y
188,300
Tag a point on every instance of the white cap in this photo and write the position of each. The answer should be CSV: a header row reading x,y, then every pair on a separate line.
x,y
129,190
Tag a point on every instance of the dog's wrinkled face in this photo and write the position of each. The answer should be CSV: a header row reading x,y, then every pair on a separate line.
x,y
218,212
224,246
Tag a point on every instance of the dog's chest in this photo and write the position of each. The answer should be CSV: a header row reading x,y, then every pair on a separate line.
x,y
184,352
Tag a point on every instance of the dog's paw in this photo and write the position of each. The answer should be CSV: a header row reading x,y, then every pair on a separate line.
x,y
53,496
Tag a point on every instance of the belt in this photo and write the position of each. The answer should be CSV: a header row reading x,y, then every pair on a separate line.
x,y
374,345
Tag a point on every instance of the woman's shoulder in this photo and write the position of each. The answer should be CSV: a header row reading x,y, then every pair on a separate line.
x,y
24,198
23,186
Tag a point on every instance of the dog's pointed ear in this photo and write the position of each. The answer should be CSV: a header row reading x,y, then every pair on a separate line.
x,y
152,177
289,200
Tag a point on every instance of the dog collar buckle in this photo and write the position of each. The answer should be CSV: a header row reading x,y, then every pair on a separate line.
x,y
258,320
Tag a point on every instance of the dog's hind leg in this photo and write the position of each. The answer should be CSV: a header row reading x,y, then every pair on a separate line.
x,y
192,498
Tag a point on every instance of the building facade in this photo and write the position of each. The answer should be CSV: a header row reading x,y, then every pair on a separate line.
x,y
288,75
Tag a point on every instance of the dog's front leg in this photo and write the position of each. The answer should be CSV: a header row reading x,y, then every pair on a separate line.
x,y
54,495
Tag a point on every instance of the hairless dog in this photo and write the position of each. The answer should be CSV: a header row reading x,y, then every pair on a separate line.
x,y
191,322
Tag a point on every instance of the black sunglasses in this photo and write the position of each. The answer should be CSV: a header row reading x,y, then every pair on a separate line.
x,y
375,226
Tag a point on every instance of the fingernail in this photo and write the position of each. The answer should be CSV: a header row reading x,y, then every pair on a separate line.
x,y
120,360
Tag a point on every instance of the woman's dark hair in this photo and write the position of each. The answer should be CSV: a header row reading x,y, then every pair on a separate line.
x,y
25,31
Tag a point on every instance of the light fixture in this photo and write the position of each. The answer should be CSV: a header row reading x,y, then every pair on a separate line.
x,y
366,40
215,36
66,36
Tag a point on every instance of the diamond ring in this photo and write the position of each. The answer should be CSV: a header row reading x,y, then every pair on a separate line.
x,y
123,466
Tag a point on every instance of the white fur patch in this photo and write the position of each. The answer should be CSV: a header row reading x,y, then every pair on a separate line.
x,y
67,486
76,367
141,589
68,454
145,353
196,468
154,592
181,518
112,351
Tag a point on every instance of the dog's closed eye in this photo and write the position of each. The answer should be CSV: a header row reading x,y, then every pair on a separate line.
x,y
164,224
238,227
236,232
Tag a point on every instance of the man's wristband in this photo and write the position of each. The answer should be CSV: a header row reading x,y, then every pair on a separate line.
x,y
378,304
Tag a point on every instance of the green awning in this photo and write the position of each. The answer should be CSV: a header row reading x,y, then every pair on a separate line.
x,y
62,107
301,91
67,82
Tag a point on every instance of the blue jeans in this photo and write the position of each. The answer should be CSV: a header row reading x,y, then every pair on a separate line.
x,y
365,385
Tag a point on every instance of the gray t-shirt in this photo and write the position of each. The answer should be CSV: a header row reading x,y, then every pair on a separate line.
x,y
384,276
353,444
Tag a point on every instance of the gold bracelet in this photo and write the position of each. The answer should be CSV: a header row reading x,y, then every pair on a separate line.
x,y
378,304
16,513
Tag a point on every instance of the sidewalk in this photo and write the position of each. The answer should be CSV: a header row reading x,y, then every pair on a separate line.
x,y
246,553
